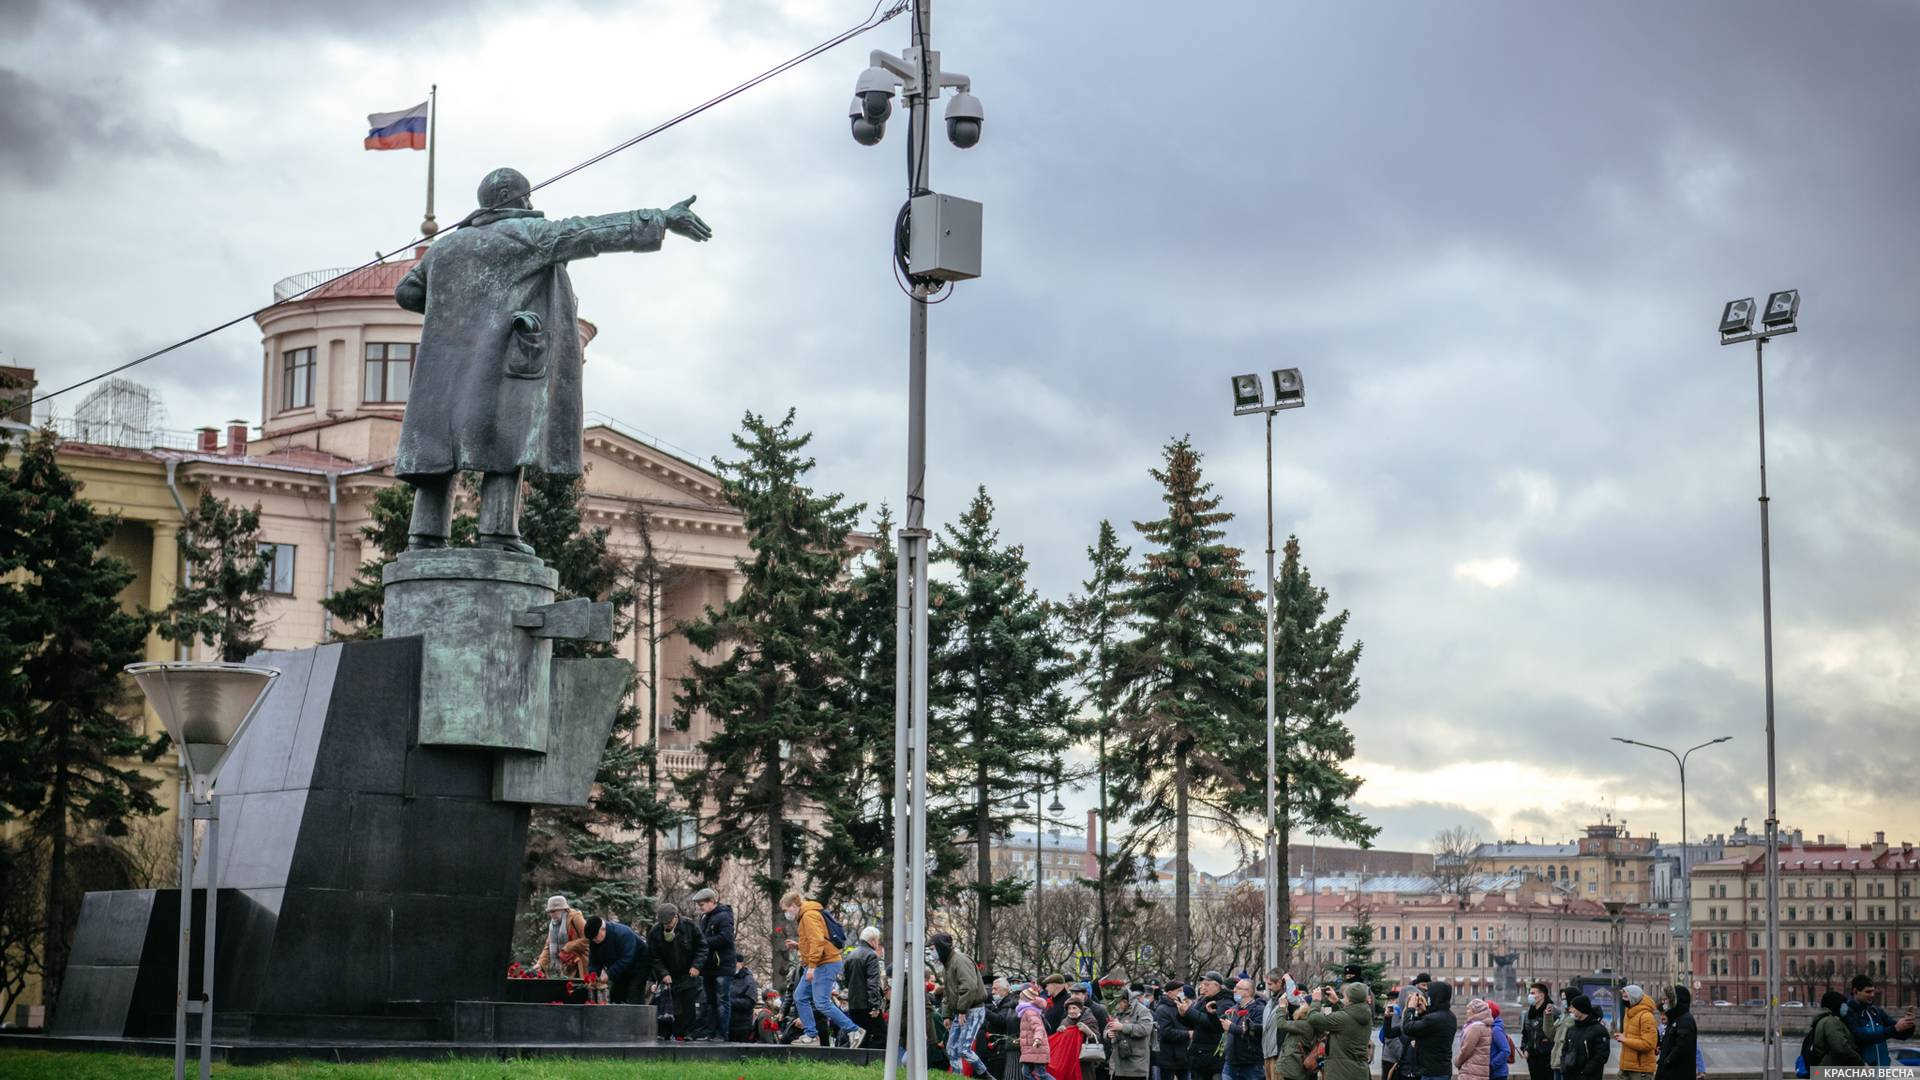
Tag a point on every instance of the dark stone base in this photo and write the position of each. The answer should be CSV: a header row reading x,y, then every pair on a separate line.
x,y
265,1051
509,1022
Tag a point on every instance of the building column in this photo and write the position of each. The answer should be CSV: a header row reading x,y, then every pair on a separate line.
x,y
161,578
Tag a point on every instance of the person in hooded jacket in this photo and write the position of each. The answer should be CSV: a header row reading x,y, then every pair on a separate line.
x,y
1639,1035
1296,1037
1500,1054
1537,1032
1204,1058
1585,1055
1832,1042
1349,1031
1431,1029
1035,1051
1471,1061
966,1002
1679,1045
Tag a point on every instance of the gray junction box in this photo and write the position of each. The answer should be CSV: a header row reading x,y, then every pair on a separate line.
x,y
943,238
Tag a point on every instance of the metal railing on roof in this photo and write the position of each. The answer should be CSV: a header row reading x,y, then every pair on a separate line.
x,y
650,439
299,283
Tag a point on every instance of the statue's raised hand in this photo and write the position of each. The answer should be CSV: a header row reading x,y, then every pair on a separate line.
x,y
681,219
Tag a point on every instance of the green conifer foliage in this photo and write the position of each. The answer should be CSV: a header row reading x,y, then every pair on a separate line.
x,y
1192,745
776,687
1003,674
66,744
218,599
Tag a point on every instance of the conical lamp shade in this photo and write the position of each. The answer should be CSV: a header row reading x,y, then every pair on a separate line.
x,y
205,708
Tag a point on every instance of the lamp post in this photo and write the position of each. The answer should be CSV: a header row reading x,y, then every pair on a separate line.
x,y
1686,870
205,707
1039,870
1289,392
1736,327
936,240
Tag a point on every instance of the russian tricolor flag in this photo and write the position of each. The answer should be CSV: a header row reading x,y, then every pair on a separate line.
x,y
403,130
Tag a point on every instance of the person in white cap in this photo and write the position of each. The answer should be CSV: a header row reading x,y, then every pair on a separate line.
x,y
566,944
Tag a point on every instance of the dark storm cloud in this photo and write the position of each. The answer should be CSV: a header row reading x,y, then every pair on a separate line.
x,y
46,131
1495,236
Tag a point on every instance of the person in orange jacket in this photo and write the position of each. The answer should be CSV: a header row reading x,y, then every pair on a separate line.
x,y
819,970
1639,1036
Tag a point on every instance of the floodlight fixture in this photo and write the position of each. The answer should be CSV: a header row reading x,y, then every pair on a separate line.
x,y
1289,389
1737,317
1782,309
1248,397
205,707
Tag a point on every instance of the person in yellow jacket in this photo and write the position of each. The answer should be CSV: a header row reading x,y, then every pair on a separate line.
x,y
1639,1036
819,971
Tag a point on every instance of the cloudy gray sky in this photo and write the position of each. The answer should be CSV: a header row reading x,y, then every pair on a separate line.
x,y
1496,237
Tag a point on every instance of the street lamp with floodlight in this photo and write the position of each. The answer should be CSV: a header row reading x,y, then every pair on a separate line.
x,y
205,708
1289,392
1779,316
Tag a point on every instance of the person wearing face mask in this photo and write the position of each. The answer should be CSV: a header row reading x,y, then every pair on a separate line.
x,y
1585,1055
1241,1025
1639,1035
1679,1043
819,970
966,1002
1561,1028
1536,1032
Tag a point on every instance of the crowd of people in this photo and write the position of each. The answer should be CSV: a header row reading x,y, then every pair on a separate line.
x,y
1214,1028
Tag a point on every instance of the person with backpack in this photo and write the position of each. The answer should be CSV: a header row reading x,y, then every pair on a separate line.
x,y
1349,1030
819,969
1289,1022
1537,1032
1471,1061
1588,1045
1829,1041
1500,1048
1639,1035
1680,1043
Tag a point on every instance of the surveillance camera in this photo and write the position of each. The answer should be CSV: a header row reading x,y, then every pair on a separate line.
x,y
874,91
866,131
964,117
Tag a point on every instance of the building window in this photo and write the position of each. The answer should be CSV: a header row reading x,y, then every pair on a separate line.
x,y
279,568
389,373
296,378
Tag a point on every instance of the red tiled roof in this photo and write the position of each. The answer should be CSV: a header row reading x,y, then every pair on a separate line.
x,y
373,282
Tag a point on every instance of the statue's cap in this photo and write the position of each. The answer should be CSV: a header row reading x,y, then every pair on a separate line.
x,y
503,188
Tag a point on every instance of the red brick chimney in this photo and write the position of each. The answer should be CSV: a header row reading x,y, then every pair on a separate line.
x,y
237,438
209,440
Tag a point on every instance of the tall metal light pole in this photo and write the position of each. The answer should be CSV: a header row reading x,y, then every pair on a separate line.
x,y
936,240
1736,326
1686,871
1289,392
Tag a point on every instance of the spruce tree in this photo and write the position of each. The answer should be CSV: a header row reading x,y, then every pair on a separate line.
x,y
64,770
1003,679
1315,685
1359,953
776,688
1193,743
218,599
1096,621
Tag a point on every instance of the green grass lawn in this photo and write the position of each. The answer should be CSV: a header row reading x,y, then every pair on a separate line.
x,y
43,1065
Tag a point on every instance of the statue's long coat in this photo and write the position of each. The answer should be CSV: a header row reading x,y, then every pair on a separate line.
x,y
465,410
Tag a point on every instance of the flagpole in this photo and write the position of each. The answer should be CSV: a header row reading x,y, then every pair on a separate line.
x,y
428,227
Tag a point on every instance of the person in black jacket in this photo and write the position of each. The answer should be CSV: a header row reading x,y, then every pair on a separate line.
x,y
745,997
616,954
1585,1055
718,963
866,994
1431,1027
679,950
1170,1049
1536,1032
1202,1017
1003,1026
1680,1040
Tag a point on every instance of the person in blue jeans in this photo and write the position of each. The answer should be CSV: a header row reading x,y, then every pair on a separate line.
x,y
820,970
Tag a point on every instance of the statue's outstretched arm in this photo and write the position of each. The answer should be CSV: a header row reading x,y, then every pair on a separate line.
x,y
567,239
